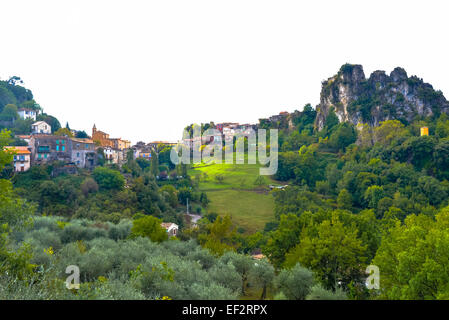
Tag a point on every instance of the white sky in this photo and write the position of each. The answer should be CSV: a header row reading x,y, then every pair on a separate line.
x,y
142,70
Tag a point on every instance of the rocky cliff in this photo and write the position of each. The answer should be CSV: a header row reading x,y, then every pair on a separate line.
x,y
380,97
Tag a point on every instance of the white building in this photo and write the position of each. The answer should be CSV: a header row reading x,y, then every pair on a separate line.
x,y
22,158
25,114
172,228
41,127
114,156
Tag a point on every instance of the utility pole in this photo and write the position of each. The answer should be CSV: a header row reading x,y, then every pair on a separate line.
x,y
187,205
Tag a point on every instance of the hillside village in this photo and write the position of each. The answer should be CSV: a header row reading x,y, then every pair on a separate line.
x,y
44,146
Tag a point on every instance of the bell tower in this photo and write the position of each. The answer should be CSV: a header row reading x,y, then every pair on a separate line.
x,y
94,129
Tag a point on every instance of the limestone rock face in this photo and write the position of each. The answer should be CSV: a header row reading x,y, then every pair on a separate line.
x,y
380,97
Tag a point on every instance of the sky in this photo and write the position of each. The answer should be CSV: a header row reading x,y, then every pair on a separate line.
x,y
143,70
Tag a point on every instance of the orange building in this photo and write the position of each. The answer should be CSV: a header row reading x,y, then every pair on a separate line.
x,y
118,143
103,139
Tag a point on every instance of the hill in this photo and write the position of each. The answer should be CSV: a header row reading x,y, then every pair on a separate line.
x,y
380,97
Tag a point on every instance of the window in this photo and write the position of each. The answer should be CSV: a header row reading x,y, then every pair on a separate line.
x,y
62,141
63,147
57,148
45,156
78,154
57,141
87,146
43,149
39,155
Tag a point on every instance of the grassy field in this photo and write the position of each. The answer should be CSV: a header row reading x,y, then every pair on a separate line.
x,y
236,176
237,194
248,209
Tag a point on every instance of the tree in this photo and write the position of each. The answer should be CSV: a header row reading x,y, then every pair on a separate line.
x,y
154,163
387,131
108,179
373,195
164,157
220,236
242,264
441,159
64,132
9,113
89,186
15,215
419,151
100,156
81,134
295,283
308,168
317,292
171,194
344,200
149,227
432,189
331,120
343,136
365,136
333,251
285,237
263,274
442,128
413,258
203,199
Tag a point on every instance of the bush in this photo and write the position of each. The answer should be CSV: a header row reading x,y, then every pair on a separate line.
x,y
108,179
295,283
120,231
149,227
317,292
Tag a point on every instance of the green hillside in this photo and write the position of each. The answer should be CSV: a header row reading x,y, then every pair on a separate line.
x,y
237,190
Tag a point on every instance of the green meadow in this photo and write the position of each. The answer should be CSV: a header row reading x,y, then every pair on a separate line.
x,y
237,190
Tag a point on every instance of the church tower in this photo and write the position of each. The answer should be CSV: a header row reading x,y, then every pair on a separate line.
x,y
94,129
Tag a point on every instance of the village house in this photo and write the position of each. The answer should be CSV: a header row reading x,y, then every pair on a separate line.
x,y
83,152
108,154
279,117
45,148
77,151
172,228
41,127
145,154
22,157
120,144
25,114
114,156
